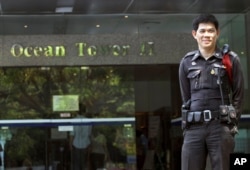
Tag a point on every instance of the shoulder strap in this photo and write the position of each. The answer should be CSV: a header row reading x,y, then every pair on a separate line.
x,y
226,61
190,53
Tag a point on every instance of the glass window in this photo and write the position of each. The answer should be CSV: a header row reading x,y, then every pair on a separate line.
x,y
44,108
107,145
41,93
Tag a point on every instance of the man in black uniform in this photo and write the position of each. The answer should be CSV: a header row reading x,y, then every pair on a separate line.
x,y
211,102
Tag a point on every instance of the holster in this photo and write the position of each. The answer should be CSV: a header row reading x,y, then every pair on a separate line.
x,y
184,111
184,123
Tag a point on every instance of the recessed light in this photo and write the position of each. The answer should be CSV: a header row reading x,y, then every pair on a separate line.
x,y
64,9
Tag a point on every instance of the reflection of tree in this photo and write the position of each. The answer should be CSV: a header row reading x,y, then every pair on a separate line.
x,y
26,93
26,143
109,91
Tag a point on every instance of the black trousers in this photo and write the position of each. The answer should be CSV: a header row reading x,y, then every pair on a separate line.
x,y
80,158
97,160
211,139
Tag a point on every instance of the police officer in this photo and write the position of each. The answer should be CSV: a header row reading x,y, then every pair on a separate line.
x,y
205,88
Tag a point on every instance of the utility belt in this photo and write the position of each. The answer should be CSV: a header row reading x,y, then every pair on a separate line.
x,y
226,114
200,116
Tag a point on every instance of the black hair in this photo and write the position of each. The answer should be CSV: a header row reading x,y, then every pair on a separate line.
x,y
205,18
82,108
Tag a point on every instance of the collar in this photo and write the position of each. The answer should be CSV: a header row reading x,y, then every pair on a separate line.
x,y
217,54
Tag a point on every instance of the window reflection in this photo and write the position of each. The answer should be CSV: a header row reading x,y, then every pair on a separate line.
x,y
27,93
50,148
42,109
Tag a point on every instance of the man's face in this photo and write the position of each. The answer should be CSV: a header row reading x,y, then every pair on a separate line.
x,y
206,36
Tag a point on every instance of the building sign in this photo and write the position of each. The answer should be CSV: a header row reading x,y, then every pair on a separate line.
x,y
79,50
82,48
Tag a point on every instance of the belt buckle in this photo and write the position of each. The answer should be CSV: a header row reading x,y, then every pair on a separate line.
x,y
207,115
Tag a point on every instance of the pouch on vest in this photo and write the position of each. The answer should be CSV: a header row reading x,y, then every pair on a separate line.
x,y
194,75
190,117
197,116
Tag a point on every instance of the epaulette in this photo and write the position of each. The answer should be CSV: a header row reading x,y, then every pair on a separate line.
x,y
233,54
191,53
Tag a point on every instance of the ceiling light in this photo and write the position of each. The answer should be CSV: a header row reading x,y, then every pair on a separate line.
x,y
84,68
64,9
